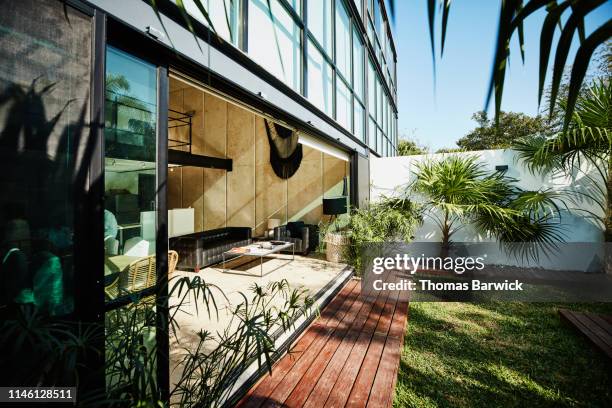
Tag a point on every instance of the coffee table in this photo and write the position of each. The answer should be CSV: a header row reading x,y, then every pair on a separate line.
x,y
254,250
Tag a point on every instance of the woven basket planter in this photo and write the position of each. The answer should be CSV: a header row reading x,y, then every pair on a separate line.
x,y
336,244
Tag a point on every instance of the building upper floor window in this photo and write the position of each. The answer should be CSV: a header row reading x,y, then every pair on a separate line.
x,y
275,43
358,66
320,23
343,40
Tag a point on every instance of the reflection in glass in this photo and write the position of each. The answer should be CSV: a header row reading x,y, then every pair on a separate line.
x,y
320,81
275,41
343,104
343,40
372,89
358,121
129,216
358,66
44,116
320,23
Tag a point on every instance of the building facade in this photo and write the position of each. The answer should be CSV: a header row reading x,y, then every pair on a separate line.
x,y
114,114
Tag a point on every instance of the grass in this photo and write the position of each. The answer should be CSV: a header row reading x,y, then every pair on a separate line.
x,y
500,354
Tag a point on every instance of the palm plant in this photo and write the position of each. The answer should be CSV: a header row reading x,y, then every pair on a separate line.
x,y
458,190
586,142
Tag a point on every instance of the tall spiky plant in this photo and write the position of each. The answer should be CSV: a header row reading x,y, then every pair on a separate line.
x,y
457,191
587,141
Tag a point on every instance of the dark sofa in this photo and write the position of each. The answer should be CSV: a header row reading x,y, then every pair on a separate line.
x,y
202,249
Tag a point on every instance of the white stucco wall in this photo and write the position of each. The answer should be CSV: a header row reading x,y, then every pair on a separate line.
x,y
389,176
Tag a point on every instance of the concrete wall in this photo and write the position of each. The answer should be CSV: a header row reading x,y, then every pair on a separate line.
x,y
390,175
251,193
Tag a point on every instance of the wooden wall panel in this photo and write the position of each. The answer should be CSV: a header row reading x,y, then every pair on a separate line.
x,y
215,191
193,194
193,102
305,189
215,126
241,180
334,171
271,190
251,193
175,188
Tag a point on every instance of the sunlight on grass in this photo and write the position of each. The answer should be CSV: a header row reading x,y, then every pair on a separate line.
x,y
499,354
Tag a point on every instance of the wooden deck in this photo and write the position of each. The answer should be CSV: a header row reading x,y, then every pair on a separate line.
x,y
348,357
596,328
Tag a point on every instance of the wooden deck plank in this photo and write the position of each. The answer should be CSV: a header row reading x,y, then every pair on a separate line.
x,y
386,375
348,375
320,364
593,330
589,329
259,393
292,378
341,358
325,383
363,383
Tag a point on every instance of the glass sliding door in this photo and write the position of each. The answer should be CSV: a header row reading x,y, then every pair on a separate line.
x,y
130,221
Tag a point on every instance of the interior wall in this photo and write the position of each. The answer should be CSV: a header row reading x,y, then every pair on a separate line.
x,y
251,193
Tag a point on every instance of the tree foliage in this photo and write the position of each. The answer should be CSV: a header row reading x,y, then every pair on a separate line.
x,y
407,147
510,127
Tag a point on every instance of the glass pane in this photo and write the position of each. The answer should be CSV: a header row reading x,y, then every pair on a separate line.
x,y
320,86
44,115
343,104
358,62
372,134
130,183
379,101
372,89
224,14
343,40
320,23
358,121
274,41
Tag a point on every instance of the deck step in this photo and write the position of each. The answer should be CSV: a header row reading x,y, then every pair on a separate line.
x,y
596,328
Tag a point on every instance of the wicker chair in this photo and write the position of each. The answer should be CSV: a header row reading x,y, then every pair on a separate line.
x,y
139,275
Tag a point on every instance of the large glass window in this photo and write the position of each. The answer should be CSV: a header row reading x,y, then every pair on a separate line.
x,y
359,121
372,134
372,89
45,58
320,23
320,80
343,104
343,40
358,62
379,100
274,40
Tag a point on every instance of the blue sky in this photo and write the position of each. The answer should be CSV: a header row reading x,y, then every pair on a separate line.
x,y
439,118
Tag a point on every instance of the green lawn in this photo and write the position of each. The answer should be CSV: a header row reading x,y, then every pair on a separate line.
x,y
499,354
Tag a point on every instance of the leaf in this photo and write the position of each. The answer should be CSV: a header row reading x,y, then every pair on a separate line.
x,y
581,63
445,13
431,16
546,37
564,44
